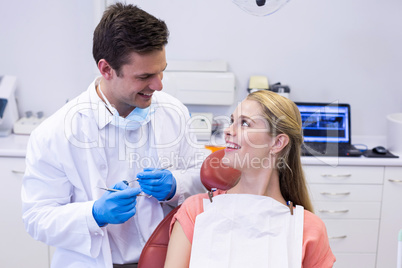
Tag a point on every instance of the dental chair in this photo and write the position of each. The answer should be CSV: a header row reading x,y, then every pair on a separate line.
x,y
214,175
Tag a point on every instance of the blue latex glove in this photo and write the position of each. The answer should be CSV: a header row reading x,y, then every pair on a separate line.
x,y
159,183
116,207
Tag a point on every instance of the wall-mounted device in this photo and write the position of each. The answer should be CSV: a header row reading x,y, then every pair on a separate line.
x,y
202,83
8,104
201,125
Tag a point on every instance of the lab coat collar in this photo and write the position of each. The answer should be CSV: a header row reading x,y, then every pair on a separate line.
x,y
101,113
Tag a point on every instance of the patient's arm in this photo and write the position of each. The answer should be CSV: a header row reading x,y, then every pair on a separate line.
x,y
179,249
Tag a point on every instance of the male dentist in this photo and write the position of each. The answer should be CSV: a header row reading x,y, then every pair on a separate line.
x,y
97,181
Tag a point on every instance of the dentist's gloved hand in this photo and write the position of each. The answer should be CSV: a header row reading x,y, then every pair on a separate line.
x,y
116,207
159,183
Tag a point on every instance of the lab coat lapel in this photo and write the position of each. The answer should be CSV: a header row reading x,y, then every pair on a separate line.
x,y
156,135
156,130
98,174
101,167
96,145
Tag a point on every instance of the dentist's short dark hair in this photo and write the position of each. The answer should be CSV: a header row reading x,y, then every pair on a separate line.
x,y
123,29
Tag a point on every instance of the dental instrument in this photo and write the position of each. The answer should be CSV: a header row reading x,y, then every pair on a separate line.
x,y
116,190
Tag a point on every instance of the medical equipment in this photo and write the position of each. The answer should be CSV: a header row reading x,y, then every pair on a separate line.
x,y
8,104
109,189
117,190
28,123
203,83
201,125
152,174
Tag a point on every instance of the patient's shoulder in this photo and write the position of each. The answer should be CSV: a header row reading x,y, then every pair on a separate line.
x,y
316,249
313,223
195,202
314,230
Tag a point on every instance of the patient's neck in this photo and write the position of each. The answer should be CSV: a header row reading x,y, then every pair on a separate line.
x,y
259,182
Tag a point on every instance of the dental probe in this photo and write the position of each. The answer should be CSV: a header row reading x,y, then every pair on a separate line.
x,y
116,190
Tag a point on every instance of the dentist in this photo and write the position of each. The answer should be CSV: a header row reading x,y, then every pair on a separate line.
x,y
119,134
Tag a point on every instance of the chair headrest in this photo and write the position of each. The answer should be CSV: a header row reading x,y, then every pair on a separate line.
x,y
214,174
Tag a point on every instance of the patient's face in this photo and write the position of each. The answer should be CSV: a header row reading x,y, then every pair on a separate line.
x,y
247,138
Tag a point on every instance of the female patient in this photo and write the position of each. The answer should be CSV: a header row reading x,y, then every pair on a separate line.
x,y
254,224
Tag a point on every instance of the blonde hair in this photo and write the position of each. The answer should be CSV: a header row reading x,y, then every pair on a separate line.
x,y
283,117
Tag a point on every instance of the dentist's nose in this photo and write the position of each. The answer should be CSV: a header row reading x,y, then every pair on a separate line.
x,y
156,83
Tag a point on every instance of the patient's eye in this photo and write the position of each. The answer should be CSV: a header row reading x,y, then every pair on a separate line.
x,y
244,123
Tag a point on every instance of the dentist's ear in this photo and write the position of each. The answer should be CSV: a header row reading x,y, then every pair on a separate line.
x,y
280,142
105,69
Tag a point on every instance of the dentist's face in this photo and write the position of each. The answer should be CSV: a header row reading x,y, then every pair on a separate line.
x,y
247,138
137,82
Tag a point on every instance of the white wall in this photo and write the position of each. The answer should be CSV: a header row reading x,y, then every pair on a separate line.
x,y
47,44
346,51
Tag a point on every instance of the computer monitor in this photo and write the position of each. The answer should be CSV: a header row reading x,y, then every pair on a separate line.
x,y
325,122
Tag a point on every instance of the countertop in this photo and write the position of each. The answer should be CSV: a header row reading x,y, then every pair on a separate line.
x,y
15,146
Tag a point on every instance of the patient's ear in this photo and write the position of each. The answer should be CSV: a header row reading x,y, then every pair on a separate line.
x,y
280,142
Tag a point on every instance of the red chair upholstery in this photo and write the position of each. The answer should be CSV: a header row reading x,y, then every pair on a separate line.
x,y
153,254
213,175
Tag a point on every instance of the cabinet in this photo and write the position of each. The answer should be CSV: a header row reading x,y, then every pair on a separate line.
x,y
391,218
348,200
18,249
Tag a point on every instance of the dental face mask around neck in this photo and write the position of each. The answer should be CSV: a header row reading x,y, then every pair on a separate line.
x,y
137,118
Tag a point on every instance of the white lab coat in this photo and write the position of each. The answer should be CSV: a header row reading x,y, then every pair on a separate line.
x,y
66,162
